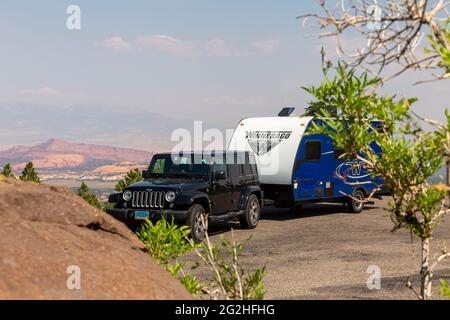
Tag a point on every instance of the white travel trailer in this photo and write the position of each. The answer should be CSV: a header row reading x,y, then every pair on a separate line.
x,y
296,167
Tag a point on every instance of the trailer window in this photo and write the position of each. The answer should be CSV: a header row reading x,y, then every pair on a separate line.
x,y
313,150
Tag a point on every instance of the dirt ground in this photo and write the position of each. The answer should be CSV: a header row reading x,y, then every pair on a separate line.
x,y
323,252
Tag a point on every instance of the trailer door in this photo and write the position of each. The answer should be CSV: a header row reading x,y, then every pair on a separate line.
x,y
308,171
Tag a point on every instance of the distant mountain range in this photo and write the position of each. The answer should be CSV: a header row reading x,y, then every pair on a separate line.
x,y
58,159
120,127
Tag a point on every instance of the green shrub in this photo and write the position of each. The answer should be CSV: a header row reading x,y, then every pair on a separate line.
x,y
189,281
30,174
131,177
83,192
228,274
164,240
107,205
7,171
254,285
445,290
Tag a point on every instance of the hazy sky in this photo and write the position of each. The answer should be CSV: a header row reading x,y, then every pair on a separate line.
x,y
216,61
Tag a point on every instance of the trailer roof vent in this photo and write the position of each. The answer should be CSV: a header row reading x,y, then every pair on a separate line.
x,y
286,112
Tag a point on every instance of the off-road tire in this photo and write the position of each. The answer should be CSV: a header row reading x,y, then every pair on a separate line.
x,y
197,220
252,213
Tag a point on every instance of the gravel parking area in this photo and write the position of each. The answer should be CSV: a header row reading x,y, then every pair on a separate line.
x,y
323,252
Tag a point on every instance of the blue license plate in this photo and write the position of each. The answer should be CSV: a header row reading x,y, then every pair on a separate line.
x,y
141,215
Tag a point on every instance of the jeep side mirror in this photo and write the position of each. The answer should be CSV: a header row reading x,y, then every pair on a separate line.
x,y
219,175
144,173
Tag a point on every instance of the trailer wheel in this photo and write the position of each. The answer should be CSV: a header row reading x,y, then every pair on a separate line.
x,y
197,220
356,203
250,218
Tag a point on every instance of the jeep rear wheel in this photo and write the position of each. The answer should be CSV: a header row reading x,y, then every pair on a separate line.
x,y
198,222
252,213
356,203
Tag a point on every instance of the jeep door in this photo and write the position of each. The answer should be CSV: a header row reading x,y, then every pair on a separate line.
x,y
237,181
220,194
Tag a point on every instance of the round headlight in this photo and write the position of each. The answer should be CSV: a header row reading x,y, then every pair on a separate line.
x,y
170,196
126,195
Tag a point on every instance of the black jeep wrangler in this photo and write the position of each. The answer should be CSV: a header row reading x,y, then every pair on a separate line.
x,y
193,188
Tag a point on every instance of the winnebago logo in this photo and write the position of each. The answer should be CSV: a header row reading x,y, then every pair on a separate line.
x,y
351,169
263,141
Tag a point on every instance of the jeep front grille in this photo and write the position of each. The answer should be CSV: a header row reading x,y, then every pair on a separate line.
x,y
148,199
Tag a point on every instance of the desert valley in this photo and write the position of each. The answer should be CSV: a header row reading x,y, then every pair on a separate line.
x,y
64,163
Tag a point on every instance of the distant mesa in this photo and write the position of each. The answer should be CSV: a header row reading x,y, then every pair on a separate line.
x,y
55,161
56,158
118,168
56,146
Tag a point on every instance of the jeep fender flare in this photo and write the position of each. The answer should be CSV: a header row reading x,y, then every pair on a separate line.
x,y
245,195
187,199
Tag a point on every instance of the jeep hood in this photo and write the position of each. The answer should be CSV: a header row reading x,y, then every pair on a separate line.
x,y
170,183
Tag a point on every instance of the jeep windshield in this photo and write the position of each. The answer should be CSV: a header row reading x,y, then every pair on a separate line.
x,y
189,166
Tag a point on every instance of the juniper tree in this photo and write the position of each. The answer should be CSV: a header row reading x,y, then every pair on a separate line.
x,y
132,176
89,197
30,174
7,171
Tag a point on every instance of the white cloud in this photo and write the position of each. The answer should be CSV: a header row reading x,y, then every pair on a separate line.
x,y
49,92
43,92
217,47
171,45
116,43
267,46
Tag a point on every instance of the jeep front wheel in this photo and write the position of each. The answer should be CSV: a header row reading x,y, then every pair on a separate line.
x,y
252,213
198,222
